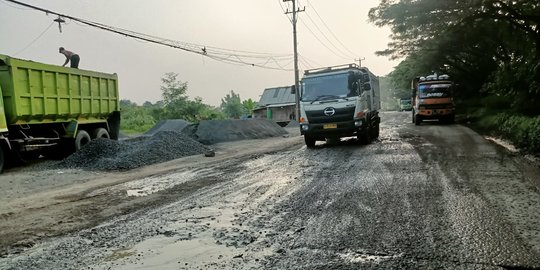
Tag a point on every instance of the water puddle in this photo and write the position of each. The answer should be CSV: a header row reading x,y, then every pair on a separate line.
x,y
151,185
361,257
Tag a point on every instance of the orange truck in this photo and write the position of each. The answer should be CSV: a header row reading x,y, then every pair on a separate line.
x,y
433,99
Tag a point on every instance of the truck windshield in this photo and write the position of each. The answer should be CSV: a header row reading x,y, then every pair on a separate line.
x,y
434,90
327,87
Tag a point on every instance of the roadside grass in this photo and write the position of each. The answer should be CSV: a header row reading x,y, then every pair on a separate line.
x,y
131,130
496,119
522,131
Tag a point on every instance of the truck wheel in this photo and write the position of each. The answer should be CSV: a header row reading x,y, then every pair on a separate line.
x,y
2,159
81,139
364,138
451,119
412,116
310,141
417,120
376,131
100,133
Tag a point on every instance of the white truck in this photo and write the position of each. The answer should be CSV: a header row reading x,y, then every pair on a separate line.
x,y
339,101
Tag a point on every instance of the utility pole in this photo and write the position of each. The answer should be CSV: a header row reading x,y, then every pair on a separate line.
x,y
360,61
296,76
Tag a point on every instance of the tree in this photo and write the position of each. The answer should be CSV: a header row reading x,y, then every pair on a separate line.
x,y
172,89
489,46
248,106
177,105
126,103
175,100
231,105
135,119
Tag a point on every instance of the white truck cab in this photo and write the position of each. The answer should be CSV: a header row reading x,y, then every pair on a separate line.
x,y
340,101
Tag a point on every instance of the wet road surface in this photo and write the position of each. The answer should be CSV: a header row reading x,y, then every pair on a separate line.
x,y
421,197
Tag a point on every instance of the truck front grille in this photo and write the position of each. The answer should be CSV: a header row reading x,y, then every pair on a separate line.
x,y
341,115
436,106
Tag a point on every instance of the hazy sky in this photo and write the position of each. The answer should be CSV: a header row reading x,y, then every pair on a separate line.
x,y
249,25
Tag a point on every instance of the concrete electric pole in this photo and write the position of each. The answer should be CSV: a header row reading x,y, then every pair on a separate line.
x,y
360,61
296,75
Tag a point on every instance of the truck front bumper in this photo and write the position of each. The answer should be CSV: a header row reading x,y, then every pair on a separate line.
x,y
339,129
435,113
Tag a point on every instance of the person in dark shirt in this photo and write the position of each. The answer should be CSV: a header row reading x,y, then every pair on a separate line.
x,y
70,57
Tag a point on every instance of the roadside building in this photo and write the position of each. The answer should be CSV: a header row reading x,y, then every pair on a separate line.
x,y
276,104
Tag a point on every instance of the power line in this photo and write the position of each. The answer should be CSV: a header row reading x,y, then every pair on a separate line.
x,y
309,29
284,11
327,39
311,61
320,41
15,7
219,54
330,30
305,63
35,39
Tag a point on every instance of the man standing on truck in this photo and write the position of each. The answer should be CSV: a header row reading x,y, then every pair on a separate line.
x,y
70,56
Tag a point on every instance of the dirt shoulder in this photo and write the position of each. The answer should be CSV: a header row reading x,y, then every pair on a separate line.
x,y
36,203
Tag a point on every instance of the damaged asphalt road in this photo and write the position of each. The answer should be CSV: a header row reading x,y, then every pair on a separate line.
x,y
422,197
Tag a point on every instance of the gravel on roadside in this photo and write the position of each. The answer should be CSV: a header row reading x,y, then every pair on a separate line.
x,y
104,154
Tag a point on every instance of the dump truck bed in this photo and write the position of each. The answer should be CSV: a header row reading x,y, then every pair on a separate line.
x,y
34,92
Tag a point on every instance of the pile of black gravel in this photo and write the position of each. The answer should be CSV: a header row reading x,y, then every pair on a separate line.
x,y
104,154
216,131
293,123
168,125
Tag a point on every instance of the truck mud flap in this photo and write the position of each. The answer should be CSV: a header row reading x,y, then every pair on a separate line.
x,y
114,125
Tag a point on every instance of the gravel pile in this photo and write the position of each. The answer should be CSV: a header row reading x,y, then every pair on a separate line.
x,y
103,154
293,123
168,125
215,131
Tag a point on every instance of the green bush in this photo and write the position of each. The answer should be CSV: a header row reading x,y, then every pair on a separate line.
x,y
522,131
136,120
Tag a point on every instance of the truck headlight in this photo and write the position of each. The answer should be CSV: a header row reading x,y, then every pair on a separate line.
x,y
358,123
305,127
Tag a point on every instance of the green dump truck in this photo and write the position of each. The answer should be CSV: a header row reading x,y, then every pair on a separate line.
x,y
51,110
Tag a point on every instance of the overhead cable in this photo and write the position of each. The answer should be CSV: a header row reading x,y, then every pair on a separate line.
x,y
35,39
219,54
320,41
327,39
329,30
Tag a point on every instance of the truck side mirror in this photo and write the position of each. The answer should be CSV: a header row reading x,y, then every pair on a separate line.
x,y
354,88
365,77
293,89
366,87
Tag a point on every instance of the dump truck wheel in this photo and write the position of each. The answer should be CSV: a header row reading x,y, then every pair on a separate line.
x,y
310,142
2,159
364,137
376,132
81,139
417,120
100,133
451,119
